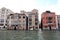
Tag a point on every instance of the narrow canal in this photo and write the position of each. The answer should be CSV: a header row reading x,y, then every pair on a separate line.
x,y
29,35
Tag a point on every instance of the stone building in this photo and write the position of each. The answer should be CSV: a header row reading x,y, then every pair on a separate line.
x,y
24,20
33,22
4,12
17,21
58,21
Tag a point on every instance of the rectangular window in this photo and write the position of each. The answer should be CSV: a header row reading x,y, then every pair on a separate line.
x,y
1,24
2,16
36,19
36,27
23,16
30,19
1,20
49,18
19,16
54,21
6,24
36,15
12,17
36,23
24,24
8,17
30,23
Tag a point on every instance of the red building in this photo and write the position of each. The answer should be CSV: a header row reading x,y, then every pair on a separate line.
x,y
48,20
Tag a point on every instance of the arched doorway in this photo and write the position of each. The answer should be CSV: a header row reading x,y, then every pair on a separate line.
x,y
14,28
49,27
4,27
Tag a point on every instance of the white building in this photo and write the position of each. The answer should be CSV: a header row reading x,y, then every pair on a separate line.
x,y
4,12
58,21
33,21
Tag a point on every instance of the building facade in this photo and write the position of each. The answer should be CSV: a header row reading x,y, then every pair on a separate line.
x,y
24,20
17,21
4,12
58,21
48,20
33,22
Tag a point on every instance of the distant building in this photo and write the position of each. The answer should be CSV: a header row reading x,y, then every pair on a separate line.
x,y
4,12
24,20
48,20
33,21
58,21
17,21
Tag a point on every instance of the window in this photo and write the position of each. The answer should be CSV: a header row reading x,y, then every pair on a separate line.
x,y
7,10
49,18
2,15
36,23
24,20
36,15
19,16
6,24
23,24
16,25
3,9
30,23
45,26
23,16
30,19
6,20
54,21
58,16
12,16
8,17
36,27
1,24
36,19
2,20
12,25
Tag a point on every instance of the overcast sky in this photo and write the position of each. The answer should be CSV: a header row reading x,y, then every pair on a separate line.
x,y
28,5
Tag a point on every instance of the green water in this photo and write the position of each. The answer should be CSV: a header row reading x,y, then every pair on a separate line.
x,y
29,35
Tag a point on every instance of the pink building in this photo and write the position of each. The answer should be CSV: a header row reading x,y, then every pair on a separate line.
x,y
48,20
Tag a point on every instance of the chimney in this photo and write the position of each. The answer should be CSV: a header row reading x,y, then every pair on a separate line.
x,y
48,11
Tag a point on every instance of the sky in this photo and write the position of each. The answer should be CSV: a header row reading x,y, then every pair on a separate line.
x,y
28,5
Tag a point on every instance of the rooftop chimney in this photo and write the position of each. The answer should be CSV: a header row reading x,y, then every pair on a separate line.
x,y
48,11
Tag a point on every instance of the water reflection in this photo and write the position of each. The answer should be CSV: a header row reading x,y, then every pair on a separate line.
x,y
29,35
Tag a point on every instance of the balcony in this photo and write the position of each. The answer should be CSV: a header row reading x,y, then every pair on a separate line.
x,y
50,23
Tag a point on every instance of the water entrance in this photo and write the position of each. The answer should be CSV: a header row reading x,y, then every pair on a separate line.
x,y
14,28
50,27
29,35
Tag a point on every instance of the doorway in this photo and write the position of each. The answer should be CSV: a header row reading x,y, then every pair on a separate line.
x,y
49,27
14,28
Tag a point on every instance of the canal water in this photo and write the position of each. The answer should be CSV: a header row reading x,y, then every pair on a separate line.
x,y
29,35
